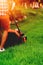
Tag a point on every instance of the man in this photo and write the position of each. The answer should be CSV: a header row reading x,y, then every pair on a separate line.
x,y
4,21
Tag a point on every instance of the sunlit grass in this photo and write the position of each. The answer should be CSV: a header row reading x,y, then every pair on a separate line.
x,y
31,52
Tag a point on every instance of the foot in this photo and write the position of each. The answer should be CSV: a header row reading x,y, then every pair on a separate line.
x,y
1,50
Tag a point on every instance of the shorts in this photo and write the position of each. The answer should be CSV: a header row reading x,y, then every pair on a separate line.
x,y
4,23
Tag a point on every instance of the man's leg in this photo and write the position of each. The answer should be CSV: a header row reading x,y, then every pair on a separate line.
x,y
5,27
4,36
0,37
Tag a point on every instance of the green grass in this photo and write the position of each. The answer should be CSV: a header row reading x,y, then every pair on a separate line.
x,y
31,52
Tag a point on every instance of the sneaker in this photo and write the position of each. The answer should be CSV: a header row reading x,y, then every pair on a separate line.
x,y
1,50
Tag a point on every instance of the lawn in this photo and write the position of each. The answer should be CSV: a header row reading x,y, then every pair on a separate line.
x,y
31,52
